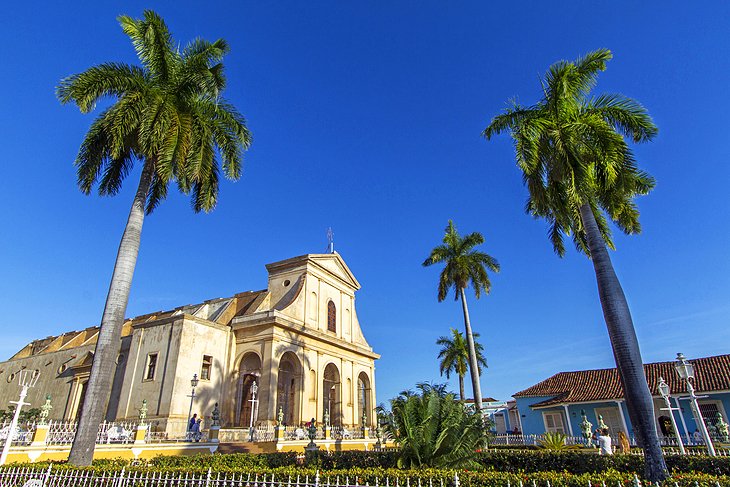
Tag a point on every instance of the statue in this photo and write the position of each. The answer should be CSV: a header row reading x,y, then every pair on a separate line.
x,y
280,416
215,416
722,428
143,412
601,425
312,430
326,418
364,419
45,411
711,428
586,427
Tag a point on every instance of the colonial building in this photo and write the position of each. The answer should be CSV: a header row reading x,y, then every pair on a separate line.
x,y
299,340
555,404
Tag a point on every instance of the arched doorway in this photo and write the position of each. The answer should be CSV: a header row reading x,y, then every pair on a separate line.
x,y
249,371
363,398
332,394
288,388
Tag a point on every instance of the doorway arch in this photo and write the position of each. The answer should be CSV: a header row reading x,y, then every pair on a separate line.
x,y
288,388
249,371
364,403
332,394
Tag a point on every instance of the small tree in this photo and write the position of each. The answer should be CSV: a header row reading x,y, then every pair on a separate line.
x,y
433,429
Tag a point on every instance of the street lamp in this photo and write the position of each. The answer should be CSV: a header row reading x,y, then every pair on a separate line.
x,y
664,392
687,372
253,401
26,379
194,384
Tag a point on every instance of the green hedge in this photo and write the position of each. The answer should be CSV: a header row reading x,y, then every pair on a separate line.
x,y
427,477
579,462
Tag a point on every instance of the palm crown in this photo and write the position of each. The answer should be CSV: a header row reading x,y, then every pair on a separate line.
x,y
454,354
572,151
464,265
168,112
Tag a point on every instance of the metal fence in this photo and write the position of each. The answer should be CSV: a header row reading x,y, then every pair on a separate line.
x,y
23,434
30,477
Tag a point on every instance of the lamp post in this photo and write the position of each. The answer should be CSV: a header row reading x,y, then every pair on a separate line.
x,y
686,371
253,401
26,379
664,392
194,383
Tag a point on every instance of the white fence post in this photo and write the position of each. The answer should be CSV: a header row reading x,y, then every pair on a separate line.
x,y
47,476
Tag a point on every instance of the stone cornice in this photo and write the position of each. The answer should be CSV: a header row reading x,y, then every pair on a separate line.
x,y
275,318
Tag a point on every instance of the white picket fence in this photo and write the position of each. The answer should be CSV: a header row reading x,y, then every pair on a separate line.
x,y
30,477
510,439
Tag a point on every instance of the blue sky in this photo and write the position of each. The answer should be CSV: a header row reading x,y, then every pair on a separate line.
x,y
367,117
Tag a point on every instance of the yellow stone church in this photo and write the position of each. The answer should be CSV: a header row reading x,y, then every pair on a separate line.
x,y
299,340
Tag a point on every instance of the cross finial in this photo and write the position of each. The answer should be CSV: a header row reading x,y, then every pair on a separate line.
x,y
330,241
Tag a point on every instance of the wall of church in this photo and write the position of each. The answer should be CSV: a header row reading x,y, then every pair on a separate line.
x,y
152,360
60,376
203,351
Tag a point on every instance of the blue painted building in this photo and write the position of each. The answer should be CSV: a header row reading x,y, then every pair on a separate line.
x,y
555,404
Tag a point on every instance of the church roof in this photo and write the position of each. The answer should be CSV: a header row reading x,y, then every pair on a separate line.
x,y
711,374
219,310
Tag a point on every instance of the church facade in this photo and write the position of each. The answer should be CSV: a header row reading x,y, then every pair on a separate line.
x,y
297,343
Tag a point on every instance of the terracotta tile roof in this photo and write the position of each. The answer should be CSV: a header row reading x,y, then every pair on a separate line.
x,y
711,374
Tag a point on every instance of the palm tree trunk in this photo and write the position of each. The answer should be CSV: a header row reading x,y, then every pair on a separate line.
x,y
461,388
473,366
625,350
99,386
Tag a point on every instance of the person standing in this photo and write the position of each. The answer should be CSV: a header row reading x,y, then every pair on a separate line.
x,y
604,442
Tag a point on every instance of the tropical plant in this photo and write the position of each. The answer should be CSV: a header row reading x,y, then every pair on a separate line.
x,y
167,115
454,355
554,441
464,265
580,173
432,429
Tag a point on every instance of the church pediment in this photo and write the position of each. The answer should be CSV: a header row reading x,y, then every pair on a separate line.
x,y
330,264
335,265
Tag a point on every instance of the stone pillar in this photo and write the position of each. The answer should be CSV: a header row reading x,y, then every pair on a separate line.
x,y
327,432
213,434
140,433
39,435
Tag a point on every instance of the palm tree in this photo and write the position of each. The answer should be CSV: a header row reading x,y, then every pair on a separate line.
x,y
454,355
580,173
464,265
168,116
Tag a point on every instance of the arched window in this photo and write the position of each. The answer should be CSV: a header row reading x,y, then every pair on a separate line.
x,y
331,317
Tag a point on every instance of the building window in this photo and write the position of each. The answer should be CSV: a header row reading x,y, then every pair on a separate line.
x,y
553,423
151,367
331,317
206,368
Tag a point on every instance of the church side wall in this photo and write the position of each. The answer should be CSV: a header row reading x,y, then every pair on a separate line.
x,y
163,341
60,376
199,340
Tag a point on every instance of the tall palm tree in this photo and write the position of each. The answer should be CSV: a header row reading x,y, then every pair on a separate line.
x,y
454,355
169,117
580,173
464,265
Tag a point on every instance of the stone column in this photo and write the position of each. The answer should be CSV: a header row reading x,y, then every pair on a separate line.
x,y
140,434
39,435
